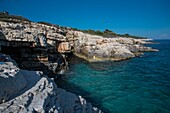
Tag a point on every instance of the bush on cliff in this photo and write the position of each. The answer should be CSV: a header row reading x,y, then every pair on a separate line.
x,y
5,16
108,33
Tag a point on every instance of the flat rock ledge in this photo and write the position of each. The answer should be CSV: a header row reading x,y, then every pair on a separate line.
x,y
25,91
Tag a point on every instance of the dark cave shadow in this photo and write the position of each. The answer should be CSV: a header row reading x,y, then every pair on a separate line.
x,y
10,48
20,51
27,56
17,53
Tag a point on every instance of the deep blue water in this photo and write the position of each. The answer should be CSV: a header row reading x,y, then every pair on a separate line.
x,y
138,85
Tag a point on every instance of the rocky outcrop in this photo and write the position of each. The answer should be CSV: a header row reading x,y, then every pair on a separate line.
x,y
51,43
97,48
25,91
37,46
11,80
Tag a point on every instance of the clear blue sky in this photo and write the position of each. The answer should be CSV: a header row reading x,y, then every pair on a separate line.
x,y
149,18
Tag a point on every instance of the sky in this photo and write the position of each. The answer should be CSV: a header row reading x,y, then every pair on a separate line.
x,y
148,18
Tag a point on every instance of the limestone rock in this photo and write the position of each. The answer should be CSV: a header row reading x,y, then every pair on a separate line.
x,y
31,92
96,48
63,47
11,80
45,96
66,40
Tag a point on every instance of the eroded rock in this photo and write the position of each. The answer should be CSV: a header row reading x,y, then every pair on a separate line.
x,y
11,80
97,48
37,94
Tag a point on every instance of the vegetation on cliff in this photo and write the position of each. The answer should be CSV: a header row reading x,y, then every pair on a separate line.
x,y
108,33
5,16
48,24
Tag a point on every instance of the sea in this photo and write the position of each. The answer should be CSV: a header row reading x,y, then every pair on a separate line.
x,y
137,85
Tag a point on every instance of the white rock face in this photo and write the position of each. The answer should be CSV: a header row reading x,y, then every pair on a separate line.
x,y
11,80
38,94
45,96
96,48
64,40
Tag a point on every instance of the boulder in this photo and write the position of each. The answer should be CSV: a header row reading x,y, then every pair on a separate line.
x,y
11,80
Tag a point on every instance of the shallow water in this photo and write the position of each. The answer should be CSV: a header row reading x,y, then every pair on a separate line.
x,y
138,85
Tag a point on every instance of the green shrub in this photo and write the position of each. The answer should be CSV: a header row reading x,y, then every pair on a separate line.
x,y
11,18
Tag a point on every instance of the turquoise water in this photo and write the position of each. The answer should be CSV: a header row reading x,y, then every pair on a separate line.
x,y
138,85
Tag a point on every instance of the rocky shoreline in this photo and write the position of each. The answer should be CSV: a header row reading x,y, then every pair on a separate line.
x,y
25,91
38,46
42,49
96,48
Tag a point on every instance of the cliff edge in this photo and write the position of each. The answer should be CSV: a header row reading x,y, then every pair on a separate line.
x,y
98,48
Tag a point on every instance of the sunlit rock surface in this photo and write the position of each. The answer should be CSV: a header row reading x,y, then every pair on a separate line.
x,y
97,48
25,91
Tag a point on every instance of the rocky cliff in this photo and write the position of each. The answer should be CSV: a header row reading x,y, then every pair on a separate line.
x,y
25,91
45,47
97,48
38,44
